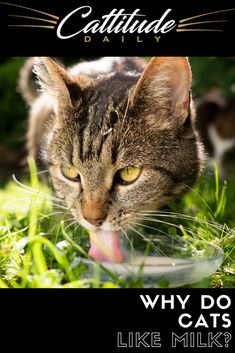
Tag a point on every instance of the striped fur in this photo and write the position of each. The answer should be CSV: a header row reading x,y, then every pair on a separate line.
x,y
105,115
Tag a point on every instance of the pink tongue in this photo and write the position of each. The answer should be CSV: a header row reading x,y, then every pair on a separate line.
x,y
105,246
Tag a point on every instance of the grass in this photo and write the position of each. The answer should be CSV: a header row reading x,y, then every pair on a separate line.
x,y
39,248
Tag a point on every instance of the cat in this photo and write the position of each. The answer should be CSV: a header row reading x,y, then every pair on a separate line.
x,y
117,135
216,126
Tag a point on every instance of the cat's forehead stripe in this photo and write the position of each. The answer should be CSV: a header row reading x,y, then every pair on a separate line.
x,y
102,112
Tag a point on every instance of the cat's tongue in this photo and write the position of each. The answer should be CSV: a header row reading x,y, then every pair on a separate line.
x,y
105,246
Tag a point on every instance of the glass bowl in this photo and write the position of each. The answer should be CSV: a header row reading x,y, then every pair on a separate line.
x,y
173,262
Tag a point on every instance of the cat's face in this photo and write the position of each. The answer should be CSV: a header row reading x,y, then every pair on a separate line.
x,y
119,145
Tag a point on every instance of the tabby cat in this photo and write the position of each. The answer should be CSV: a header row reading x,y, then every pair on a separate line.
x,y
117,136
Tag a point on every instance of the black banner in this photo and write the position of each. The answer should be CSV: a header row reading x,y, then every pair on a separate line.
x,y
93,28
121,320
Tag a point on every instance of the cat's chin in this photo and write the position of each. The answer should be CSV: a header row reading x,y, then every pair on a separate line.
x,y
105,246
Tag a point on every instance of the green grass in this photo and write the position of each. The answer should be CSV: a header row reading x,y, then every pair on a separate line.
x,y
40,249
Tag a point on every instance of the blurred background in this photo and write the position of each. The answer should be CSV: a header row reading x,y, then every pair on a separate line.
x,y
213,90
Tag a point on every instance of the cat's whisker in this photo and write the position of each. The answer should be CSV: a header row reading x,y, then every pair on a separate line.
x,y
212,224
194,235
180,227
75,229
147,240
71,219
33,190
32,200
184,217
40,197
181,215
51,214
132,228
129,241
201,198
167,223
158,230
39,200
71,224
148,218
174,238
38,173
158,251
18,199
61,207
37,193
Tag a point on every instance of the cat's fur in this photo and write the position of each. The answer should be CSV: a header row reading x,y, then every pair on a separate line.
x,y
105,115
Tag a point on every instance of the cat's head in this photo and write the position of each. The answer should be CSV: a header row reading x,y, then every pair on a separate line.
x,y
121,143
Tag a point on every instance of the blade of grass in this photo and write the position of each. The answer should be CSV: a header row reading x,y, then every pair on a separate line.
x,y
3,284
60,258
37,247
35,253
216,172
222,201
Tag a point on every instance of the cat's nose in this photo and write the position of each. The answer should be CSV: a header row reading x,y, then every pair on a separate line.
x,y
95,221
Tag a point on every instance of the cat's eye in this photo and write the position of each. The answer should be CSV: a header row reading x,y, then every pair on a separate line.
x,y
129,174
70,173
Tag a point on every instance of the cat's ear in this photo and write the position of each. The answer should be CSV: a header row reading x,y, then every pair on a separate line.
x,y
164,88
57,83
